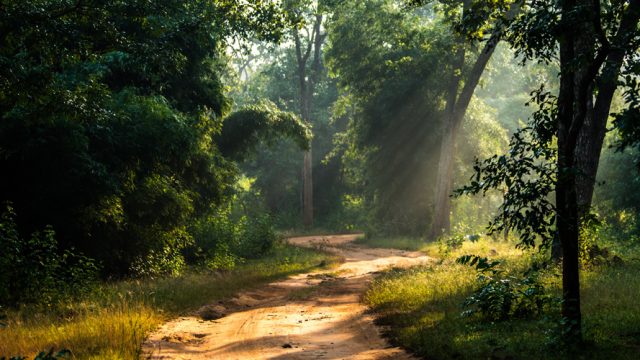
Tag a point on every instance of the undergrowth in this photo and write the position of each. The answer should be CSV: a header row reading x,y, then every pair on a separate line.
x,y
113,321
424,307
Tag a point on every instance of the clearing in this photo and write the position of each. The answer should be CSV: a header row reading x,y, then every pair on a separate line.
x,y
316,315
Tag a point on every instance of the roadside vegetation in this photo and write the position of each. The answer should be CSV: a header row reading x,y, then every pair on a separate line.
x,y
112,320
152,151
449,310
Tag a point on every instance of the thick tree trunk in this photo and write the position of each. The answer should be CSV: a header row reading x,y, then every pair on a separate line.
x,y
455,111
588,150
592,135
444,183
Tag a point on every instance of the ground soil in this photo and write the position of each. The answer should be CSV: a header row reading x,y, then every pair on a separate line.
x,y
316,315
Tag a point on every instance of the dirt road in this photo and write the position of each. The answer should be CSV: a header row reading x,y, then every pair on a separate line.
x,y
309,316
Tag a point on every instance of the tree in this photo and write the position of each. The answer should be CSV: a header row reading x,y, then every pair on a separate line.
x,y
112,115
462,82
534,169
376,54
307,79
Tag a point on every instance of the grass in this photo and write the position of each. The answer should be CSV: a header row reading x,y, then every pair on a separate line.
x,y
113,321
422,307
402,243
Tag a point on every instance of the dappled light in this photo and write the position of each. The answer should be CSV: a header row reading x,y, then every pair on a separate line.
x,y
319,179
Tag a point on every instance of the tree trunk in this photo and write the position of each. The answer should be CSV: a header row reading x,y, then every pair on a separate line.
x,y
307,197
592,135
566,197
444,181
307,86
455,111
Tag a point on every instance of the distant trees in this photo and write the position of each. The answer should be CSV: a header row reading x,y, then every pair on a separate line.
x,y
469,20
407,76
391,90
113,119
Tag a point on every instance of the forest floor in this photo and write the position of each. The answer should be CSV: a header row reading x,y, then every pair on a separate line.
x,y
316,315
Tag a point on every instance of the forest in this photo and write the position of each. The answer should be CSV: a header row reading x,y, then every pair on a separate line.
x,y
332,179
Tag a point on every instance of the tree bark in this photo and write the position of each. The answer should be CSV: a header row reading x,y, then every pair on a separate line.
x,y
307,197
591,137
455,111
306,87
566,198
456,108
444,182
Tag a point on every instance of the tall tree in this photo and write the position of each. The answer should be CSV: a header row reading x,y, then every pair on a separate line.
x,y
462,83
308,48
589,75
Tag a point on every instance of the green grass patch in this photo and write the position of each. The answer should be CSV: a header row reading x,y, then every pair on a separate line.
x,y
422,307
402,243
114,320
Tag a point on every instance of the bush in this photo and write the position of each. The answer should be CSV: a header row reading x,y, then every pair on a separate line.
x,y
501,296
446,244
240,229
257,237
35,270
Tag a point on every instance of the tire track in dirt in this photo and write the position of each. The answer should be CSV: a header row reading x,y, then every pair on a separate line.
x,y
315,315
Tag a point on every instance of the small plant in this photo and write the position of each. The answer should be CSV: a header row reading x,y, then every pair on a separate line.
x,y
592,254
62,354
500,296
35,271
446,244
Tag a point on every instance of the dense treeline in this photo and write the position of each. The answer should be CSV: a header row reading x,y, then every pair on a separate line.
x,y
138,138
413,79
115,127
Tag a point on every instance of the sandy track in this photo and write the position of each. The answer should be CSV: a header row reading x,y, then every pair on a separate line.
x,y
309,316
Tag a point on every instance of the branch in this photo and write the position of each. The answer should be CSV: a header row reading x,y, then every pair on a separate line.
x,y
481,62
608,81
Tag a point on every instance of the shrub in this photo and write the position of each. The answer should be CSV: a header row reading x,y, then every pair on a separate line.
x,y
257,237
34,270
446,244
500,296
233,232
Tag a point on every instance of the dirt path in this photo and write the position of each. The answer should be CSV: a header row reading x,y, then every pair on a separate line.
x,y
309,316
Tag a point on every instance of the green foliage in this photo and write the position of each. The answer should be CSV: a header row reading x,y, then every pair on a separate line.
x,y
500,296
276,165
240,230
448,243
528,175
117,109
35,270
244,129
383,58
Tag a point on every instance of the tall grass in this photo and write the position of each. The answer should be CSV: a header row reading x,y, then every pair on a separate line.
x,y
422,307
114,320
